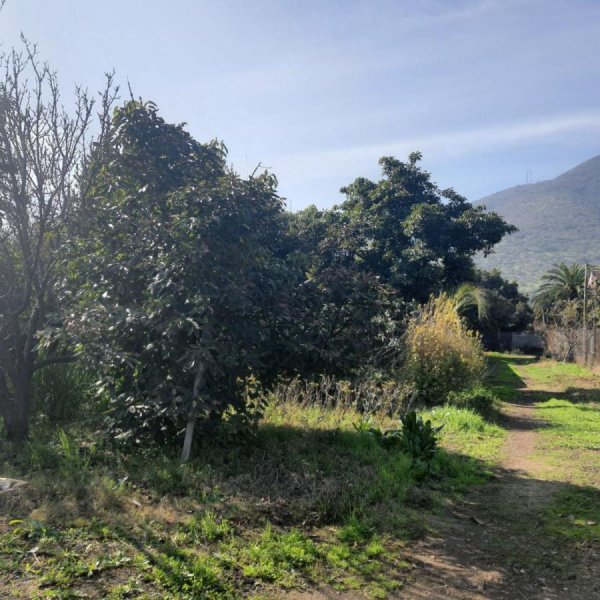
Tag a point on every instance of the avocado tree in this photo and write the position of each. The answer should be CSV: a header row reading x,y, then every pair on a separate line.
x,y
176,284
416,237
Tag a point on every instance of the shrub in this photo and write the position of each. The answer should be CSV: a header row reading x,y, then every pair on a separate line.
x,y
417,438
441,355
479,398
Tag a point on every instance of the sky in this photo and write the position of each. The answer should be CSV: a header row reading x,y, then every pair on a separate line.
x,y
494,93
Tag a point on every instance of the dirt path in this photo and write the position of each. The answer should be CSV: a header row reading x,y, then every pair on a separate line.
x,y
493,546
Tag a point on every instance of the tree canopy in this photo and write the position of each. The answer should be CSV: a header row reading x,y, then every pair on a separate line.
x,y
403,229
181,280
176,286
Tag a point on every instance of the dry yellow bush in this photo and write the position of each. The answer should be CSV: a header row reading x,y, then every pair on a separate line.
x,y
441,354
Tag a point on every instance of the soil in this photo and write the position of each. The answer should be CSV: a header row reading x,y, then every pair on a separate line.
x,y
492,545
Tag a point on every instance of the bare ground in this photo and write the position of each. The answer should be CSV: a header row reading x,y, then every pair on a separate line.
x,y
493,546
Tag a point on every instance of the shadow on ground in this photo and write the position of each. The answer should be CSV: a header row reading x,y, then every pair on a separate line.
x,y
507,540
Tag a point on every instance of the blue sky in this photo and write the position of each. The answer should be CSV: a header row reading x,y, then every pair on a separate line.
x,y
319,90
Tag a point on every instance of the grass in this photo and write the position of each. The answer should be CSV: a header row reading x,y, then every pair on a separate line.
x,y
574,515
555,374
503,375
313,499
468,432
572,426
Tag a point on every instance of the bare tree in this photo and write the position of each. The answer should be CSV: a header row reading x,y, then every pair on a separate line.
x,y
43,150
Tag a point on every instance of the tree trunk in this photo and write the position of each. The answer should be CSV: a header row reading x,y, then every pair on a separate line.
x,y
18,406
189,438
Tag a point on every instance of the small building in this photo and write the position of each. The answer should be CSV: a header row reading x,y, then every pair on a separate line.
x,y
528,343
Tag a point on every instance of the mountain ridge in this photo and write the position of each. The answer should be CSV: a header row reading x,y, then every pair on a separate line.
x,y
558,221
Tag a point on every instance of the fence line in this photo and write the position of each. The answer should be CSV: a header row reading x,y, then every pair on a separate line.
x,y
574,344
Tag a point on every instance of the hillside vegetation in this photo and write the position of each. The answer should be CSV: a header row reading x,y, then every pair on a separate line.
x,y
558,221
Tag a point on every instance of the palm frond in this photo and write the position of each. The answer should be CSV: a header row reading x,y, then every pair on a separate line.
x,y
469,295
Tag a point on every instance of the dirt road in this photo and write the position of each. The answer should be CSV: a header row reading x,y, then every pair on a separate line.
x,y
494,545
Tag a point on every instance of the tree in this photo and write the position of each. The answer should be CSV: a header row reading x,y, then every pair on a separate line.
x,y
177,292
346,319
42,147
506,309
390,245
412,235
468,297
561,284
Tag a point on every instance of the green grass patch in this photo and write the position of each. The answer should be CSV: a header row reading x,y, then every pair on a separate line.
x,y
468,432
503,374
570,441
553,372
574,514
572,426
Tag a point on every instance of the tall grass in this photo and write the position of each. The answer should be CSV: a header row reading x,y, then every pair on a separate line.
x,y
61,391
366,396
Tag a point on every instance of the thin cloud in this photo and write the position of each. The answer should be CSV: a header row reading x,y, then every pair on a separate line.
x,y
449,144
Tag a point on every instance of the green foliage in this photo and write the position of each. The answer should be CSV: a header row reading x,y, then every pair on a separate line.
x,y
481,399
61,452
209,527
388,438
562,288
389,244
355,531
419,438
177,292
275,556
413,235
506,308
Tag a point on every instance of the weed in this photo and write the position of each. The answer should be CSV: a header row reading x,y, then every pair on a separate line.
x,y
208,527
419,437
275,556
355,531
61,391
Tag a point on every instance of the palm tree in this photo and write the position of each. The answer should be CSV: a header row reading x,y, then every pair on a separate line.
x,y
561,283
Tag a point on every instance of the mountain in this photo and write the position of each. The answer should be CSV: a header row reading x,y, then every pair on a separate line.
x,y
558,221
